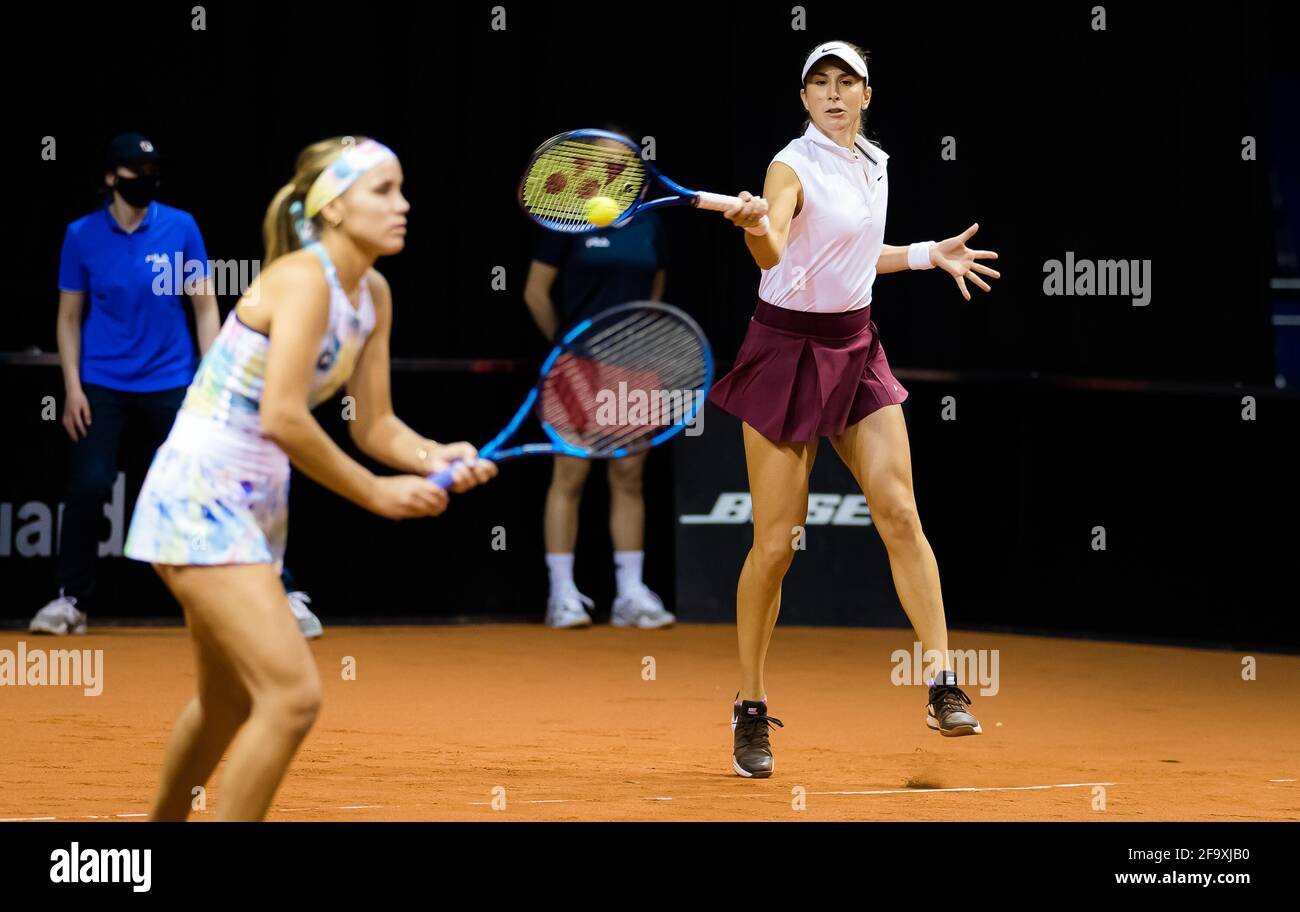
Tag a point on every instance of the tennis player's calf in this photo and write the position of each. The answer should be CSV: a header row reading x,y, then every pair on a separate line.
x,y
626,502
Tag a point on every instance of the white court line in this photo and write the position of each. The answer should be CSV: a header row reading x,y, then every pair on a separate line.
x,y
1281,780
358,807
996,788
913,791
346,807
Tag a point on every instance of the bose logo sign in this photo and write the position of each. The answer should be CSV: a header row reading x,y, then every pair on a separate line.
x,y
734,508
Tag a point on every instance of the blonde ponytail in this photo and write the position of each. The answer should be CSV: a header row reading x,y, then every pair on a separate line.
x,y
277,226
279,231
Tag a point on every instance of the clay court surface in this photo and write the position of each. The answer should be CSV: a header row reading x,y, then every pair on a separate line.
x,y
439,717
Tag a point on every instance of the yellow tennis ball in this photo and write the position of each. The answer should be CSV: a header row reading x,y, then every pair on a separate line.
x,y
602,210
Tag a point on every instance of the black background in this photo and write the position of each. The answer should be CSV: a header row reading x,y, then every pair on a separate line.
x,y
1124,143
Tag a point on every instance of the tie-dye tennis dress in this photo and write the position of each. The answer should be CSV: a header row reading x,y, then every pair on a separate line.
x,y
218,489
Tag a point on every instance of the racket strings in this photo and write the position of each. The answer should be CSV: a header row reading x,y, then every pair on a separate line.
x,y
562,180
670,402
625,382
641,339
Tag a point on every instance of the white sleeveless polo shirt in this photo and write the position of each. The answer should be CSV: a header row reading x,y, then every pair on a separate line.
x,y
829,263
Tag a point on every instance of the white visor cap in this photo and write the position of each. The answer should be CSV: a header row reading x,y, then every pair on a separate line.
x,y
835,49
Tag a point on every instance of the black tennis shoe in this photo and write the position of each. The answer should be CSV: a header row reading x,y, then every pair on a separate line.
x,y
751,752
946,708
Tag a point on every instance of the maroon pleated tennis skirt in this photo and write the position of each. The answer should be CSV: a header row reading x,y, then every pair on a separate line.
x,y
800,375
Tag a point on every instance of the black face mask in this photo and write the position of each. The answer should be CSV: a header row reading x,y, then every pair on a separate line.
x,y
137,191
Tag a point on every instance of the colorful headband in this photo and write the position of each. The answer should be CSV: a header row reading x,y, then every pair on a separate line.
x,y
355,161
301,227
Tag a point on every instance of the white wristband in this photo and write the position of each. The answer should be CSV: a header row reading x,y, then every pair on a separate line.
x,y
918,255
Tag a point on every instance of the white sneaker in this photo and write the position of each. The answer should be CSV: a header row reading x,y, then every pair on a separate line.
x,y
60,618
308,623
641,609
566,610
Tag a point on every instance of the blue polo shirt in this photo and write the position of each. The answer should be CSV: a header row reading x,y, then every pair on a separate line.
x,y
602,269
134,337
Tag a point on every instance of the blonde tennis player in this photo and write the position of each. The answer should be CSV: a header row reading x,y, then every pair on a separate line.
x,y
212,516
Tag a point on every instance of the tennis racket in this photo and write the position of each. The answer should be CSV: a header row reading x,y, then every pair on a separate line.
x,y
618,383
568,171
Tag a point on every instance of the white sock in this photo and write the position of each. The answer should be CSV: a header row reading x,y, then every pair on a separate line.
x,y
561,570
627,571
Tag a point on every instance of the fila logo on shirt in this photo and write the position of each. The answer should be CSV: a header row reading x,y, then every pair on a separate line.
x,y
736,507
597,242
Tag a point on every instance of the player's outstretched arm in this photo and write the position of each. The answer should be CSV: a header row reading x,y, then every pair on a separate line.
x,y
951,255
778,202
296,291
378,432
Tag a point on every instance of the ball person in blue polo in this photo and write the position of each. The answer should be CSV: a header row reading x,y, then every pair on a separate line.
x,y
125,350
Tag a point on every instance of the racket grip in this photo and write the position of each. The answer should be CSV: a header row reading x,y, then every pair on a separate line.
x,y
443,479
720,202
717,202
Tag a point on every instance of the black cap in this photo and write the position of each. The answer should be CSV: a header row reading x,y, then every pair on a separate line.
x,y
129,149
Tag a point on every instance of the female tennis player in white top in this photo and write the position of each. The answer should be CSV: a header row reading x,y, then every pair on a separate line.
x,y
812,366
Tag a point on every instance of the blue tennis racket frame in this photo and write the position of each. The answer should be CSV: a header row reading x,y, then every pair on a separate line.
x,y
683,195
558,446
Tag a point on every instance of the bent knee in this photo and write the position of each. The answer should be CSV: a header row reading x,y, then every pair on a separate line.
x,y
774,553
294,706
898,521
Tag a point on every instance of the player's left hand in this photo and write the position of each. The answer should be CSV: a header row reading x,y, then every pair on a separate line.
x,y
959,261
470,472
